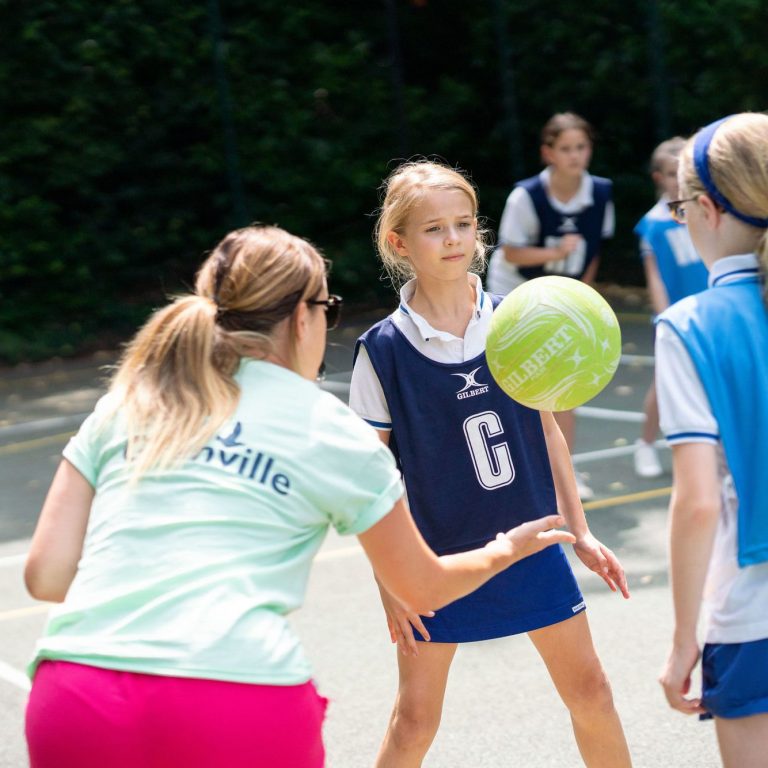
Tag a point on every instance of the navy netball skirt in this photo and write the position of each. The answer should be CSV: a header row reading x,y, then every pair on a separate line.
x,y
533,593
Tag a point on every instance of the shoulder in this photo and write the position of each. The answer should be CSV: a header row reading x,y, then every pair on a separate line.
x,y
680,315
531,184
602,187
377,336
336,423
383,327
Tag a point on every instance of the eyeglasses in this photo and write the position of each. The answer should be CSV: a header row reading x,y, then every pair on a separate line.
x,y
677,209
332,309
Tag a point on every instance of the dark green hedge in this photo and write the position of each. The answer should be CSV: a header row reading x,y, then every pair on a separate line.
x,y
135,133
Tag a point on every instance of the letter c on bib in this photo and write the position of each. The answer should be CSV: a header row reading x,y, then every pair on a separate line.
x,y
493,463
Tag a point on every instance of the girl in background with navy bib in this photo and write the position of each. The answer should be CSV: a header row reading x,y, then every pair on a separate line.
x,y
712,381
554,224
473,462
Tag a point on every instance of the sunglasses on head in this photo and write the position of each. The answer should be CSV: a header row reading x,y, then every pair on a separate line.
x,y
332,307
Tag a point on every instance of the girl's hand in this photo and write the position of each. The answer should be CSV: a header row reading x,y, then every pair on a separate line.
x,y
400,621
568,244
675,678
598,558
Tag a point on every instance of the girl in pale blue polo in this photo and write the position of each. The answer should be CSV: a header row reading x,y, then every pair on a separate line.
x,y
712,353
181,525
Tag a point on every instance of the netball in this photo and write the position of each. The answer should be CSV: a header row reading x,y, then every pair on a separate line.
x,y
554,343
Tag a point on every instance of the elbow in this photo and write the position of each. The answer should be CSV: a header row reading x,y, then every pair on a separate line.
x,y
697,513
41,587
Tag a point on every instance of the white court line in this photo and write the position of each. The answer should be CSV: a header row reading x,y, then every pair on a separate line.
x,y
609,453
25,428
609,414
14,676
644,360
10,560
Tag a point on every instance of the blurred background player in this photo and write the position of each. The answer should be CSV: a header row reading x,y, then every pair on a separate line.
x,y
673,270
554,223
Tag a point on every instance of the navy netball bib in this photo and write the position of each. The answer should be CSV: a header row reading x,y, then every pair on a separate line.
x,y
474,463
588,222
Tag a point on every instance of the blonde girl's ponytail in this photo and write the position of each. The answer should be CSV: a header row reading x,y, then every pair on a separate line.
x,y
762,262
175,383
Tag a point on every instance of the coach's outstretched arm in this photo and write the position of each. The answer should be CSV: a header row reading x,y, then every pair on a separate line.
x,y
407,568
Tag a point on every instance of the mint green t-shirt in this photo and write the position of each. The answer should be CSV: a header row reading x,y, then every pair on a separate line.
x,y
192,571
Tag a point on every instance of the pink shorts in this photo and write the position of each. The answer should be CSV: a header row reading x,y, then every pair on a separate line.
x,y
87,717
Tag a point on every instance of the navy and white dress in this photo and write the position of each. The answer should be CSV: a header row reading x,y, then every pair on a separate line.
x,y
474,463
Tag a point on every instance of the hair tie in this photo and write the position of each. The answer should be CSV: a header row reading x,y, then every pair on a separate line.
x,y
701,163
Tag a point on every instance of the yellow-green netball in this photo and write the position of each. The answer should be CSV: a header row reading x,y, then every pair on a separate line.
x,y
554,343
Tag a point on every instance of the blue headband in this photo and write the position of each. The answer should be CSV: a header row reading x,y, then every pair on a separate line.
x,y
701,163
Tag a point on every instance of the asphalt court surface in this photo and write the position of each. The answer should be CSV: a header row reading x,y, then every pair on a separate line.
x,y
501,709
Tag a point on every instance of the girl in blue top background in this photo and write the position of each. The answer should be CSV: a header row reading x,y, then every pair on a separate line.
x,y
472,460
713,398
555,223
673,270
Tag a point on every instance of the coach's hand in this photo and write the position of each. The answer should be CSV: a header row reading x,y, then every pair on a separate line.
x,y
531,537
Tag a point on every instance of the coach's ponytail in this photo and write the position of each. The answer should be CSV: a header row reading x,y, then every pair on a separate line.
x,y
175,383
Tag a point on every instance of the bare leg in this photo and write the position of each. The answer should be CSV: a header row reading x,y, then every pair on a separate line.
x,y
743,741
566,420
651,408
567,650
418,707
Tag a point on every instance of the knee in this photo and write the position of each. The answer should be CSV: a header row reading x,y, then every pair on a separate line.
x,y
589,694
414,727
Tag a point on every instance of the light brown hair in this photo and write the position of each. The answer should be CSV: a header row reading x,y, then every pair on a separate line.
x,y
565,121
738,163
175,382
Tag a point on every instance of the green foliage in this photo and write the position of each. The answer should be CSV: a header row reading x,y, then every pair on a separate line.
x,y
135,133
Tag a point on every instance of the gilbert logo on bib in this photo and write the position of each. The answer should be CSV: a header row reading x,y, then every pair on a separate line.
x,y
471,387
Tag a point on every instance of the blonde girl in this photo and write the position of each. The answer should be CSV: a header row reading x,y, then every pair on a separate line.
x,y
712,380
472,461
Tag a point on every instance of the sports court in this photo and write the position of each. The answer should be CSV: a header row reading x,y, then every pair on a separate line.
x,y
500,707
